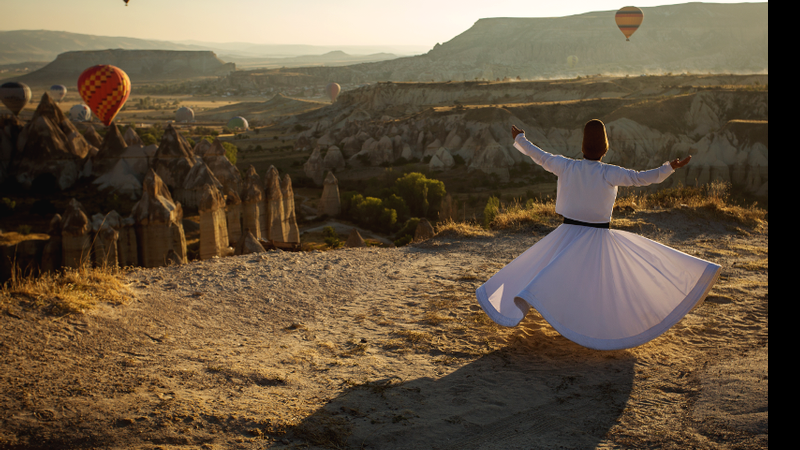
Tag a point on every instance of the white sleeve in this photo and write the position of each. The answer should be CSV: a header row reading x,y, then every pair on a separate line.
x,y
619,176
551,163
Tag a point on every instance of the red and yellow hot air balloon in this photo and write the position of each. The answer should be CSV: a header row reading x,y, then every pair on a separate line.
x,y
105,89
628,20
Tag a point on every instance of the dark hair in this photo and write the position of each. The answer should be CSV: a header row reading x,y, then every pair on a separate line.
x,y
595,141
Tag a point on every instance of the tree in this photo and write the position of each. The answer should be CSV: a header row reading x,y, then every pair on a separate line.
x,y
422,195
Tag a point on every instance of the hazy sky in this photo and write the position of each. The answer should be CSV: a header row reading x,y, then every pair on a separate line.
x,y
316,22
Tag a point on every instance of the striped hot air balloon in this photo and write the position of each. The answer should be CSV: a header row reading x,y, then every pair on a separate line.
x,y
105,89
628,20
15,96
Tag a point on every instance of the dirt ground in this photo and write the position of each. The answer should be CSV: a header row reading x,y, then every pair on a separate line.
x,y
386,348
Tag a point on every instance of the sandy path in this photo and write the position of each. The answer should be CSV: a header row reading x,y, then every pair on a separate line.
x,y
385,348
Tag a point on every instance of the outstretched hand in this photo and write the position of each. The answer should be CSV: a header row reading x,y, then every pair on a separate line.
x,y
678,163
515,131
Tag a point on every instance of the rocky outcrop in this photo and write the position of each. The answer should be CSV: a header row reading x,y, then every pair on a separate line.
x,y
248,244
290,217
252,203
75,237
159,228
649,119
213,224
313,167
49,146
233,217
354,240
330,203
140,65
191,192
224,171
174,158
274,226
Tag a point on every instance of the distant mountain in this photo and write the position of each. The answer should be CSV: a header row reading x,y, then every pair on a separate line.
x,y
140,65
43,45
690,37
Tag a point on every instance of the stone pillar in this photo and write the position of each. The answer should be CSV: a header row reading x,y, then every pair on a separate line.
x,y
252,204
290,218
233,216
52,253
159,230
75,238
330,203
213,224
275,215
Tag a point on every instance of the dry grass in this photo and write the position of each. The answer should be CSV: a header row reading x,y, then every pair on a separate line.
x,y
515,215
68,292
710,200
451,229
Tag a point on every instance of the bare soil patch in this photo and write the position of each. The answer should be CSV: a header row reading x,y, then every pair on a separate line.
x,y
385,348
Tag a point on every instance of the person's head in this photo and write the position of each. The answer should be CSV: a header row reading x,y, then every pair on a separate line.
x,y
595,141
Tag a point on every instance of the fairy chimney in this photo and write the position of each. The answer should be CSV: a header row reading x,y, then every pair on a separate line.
x,y
49,148
274,220
252,203
290,218
233,216
159,229
330,204
313,168
109,152
191,192
52,253
76,242
213,224
174,159
221,167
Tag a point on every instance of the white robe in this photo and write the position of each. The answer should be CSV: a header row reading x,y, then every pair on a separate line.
x,y
603,289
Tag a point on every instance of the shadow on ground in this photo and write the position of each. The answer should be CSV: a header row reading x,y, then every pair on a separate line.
x,y
511,398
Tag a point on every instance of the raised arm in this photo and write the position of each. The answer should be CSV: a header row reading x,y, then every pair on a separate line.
x,y
551,163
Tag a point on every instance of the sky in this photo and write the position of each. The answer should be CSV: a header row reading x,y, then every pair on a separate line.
x,y
421,23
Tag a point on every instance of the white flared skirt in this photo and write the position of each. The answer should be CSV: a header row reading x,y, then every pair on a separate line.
x,y
603,289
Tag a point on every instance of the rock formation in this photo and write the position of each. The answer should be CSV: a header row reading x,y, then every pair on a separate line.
x,y
159,227
330,203
132,138
213,224
191,192
424,231
252,203
248,244
104,246
233,216
140,65
354,240
53,250
290,218
334,160
75,238
10,129
313,168
174,158
49,146
274,220
221,167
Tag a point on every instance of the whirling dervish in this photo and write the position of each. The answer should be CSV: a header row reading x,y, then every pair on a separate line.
x,y
601,288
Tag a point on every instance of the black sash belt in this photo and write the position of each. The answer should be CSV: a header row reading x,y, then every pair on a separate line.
x,y
568,221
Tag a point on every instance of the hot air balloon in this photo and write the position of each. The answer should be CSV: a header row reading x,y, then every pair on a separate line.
x,y
105,89
628,20
572,61
184,114
333,90
238,122
15,96
58,91
126,2
80,113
